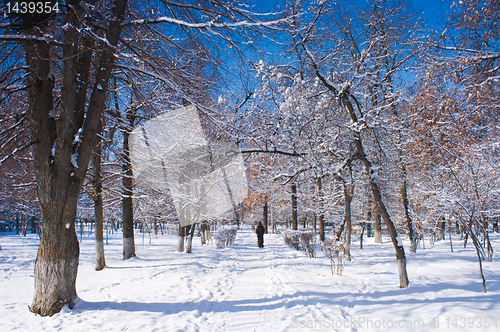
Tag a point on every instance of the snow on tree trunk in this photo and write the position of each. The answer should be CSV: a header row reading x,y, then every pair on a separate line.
x,y
57,261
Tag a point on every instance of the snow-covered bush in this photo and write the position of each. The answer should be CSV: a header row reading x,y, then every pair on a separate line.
x,y
335,251
300,240
226,236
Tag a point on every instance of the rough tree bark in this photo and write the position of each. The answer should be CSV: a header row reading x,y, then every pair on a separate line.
x,y
62,146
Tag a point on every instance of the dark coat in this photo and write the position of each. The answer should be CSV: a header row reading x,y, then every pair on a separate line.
x,y
260,230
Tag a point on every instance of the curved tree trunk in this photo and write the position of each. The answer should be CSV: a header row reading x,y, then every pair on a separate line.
x,y
345,98
398,244
377,197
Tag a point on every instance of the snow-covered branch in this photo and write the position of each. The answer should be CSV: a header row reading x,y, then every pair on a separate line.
x,y
211,24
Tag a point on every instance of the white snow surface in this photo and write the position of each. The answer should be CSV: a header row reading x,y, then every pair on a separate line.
x,y
244,288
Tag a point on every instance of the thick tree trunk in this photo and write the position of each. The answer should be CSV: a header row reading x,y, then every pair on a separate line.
x,y
127,207
100,261
57,261
314,223
294,206
377,227
58,182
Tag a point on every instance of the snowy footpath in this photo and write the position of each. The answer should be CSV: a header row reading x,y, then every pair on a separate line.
x,y
244,288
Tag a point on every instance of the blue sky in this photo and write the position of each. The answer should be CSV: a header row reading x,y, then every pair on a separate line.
x,y
431,9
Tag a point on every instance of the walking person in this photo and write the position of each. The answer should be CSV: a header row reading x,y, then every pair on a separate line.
x,y
260,235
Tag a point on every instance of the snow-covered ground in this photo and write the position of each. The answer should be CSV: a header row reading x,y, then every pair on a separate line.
x,y
244,288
